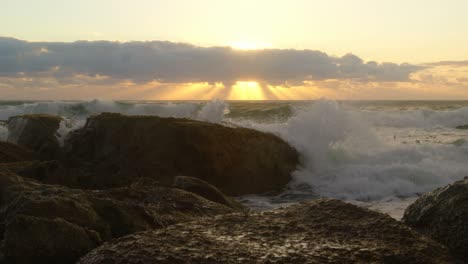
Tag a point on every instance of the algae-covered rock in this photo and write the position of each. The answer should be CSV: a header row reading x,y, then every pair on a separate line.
x,y
13,153
37,132
322,231
205,190
443,215
115,149
56,224
32,239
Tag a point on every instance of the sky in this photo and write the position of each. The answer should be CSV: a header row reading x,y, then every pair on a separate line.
x,y
185,49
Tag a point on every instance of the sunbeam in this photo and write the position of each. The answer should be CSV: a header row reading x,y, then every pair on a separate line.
x,y
246,90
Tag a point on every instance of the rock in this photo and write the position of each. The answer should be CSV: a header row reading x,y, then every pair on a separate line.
x,y
36,217
55,224
49,172
36,132
139,209
443,215
462,127
40,240
116,149
43,171
322,231
13,153
205,190
2,256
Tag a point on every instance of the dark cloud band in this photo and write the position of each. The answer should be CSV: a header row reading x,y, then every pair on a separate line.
x,y
449,63
183,63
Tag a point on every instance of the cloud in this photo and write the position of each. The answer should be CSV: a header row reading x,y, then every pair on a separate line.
x,y
462,63
168,62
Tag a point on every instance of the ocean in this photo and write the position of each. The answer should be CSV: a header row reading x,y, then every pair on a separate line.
x,y
377,154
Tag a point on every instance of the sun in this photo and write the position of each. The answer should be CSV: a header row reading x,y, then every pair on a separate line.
x,y
246,90
250,45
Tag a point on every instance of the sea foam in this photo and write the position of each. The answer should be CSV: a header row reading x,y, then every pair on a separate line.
x,y
348,153
75,113
342,156
213,111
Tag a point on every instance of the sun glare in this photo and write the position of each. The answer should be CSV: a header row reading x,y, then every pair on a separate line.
x,y
250,45
246,90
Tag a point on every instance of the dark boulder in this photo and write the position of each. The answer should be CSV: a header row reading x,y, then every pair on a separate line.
x,y
322,231
116,149
205,190
37,132
462,127
2,256
53,224
32,239
34,214
443,215
49,172
13,153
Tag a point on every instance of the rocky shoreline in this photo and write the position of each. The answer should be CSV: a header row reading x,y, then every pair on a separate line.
x,y
140,189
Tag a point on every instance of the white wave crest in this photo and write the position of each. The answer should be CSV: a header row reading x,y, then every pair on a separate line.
x,y
75,113
342,155
344,158
213,111
417,117
85,109
345,153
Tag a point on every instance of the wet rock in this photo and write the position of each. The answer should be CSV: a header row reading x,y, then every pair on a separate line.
x,y
41,240
443,215
37,132
34,214
43,171
462,127
116,149
2,256
322,231
205,190
13,153
55,224
49,172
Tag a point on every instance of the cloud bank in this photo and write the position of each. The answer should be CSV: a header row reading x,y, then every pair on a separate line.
x,y
168,62
162,70
462,63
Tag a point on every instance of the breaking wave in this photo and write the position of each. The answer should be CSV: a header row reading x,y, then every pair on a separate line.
x,y
344,157
81,110
75,113
343,151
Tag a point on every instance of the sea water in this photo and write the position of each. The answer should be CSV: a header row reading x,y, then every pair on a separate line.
x,y
378,154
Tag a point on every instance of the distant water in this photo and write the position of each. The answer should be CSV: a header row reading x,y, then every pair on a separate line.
x,y
379,154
